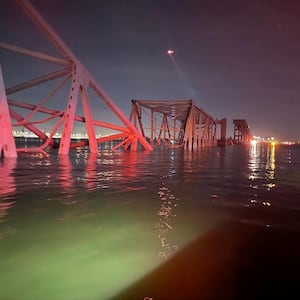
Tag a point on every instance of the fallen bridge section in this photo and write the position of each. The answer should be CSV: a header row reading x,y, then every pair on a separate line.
x,y
72,84
176,123
241,131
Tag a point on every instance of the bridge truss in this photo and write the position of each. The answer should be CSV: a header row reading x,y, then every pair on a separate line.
x,y
176,123
241,132
77,79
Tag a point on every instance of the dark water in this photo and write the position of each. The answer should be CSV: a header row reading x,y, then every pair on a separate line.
x,y
90,226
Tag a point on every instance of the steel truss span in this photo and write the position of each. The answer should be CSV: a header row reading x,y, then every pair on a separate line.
x,y
242,132
176,123
79,82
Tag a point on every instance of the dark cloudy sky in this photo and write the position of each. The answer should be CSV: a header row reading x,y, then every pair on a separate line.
x,y
236,59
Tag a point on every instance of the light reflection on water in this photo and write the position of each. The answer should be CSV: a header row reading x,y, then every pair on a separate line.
x,y
100,222
262,176
165,227
232,176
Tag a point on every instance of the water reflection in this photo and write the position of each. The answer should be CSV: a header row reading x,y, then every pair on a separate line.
x,y
108,169
65,177
172,166
129,164
289,156
7,186
7,180
262,165
270,165
166,214
91,172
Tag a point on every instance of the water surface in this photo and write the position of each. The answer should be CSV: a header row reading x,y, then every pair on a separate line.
x,y
88,226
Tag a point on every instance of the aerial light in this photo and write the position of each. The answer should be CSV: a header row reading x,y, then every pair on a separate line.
x,y
170,52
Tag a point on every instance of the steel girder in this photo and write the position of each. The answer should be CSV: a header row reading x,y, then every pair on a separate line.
x,y
79,80
174,122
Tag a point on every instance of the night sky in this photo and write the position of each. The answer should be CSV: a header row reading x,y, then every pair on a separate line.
x,y
235,59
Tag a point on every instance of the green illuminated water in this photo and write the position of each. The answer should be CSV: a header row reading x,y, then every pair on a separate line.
x,y
88,227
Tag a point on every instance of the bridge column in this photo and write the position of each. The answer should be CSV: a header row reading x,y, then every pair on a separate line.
x,y
200,130
7,142
152,133
89,120
188,131
69,115
206,132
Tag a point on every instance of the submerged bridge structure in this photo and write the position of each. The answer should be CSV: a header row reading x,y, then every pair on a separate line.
x,y
241,132
78,81
172,122
176,123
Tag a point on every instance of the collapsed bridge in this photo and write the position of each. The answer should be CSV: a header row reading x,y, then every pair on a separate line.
x,y
74,82
177,123
172,122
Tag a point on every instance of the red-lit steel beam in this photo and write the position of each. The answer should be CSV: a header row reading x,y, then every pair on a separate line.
x,y
7,142
61,113
119,113
46,29
37,81
89,121
62,47
103,139
196,126
29,126
34,54
41,104
69,115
